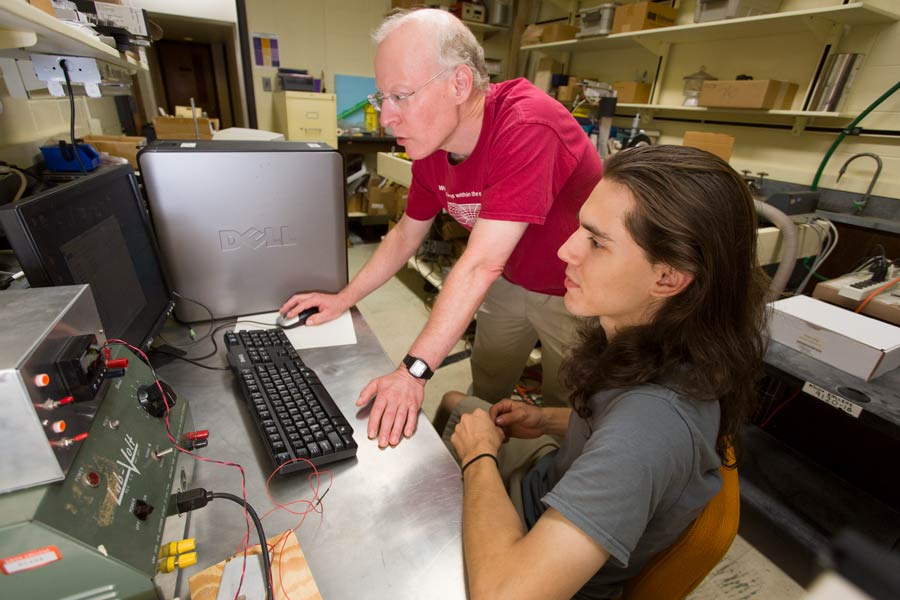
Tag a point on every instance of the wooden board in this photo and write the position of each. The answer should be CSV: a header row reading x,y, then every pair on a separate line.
x,y
291,578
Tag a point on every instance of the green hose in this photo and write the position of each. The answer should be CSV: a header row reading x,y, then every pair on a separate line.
x,y
847,130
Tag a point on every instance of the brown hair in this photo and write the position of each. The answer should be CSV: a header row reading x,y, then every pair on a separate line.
x,y
695,214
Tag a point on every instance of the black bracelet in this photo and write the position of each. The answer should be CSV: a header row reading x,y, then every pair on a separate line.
x,y
466,466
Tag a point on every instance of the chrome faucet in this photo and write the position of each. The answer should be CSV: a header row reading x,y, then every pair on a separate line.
x,y
860,204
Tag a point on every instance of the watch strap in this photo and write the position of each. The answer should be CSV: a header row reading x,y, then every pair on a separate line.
x,y
417,367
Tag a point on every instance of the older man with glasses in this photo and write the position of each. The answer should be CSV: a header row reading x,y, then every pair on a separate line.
x,y
513,167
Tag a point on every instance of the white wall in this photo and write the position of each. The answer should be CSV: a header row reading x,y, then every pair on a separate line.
x,y
26,125
215,10
321,36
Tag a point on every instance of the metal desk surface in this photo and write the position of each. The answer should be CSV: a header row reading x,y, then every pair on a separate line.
x,y
883,392
391,525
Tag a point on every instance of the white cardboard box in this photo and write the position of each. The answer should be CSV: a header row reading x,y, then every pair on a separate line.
x,y
853,343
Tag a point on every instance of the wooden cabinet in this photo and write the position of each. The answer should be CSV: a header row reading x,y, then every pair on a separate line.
x,y
307,117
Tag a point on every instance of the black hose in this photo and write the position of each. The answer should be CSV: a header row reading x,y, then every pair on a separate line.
x,y
263,545
65,70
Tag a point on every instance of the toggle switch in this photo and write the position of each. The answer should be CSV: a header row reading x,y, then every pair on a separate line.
x,y
142,510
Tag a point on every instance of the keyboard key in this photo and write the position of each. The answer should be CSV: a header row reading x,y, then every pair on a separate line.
x,y
336,441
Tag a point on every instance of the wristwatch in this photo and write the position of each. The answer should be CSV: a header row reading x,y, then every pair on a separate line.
x,y
417,367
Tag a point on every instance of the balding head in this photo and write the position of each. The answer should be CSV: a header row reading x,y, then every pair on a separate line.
x,y
450,40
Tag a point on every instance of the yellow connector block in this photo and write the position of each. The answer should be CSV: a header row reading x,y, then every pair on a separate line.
x,y
167,565
174,548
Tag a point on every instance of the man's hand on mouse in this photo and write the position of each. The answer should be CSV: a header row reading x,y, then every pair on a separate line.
x,y
331,306
398,396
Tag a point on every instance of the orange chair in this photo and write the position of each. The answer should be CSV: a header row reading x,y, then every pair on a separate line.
x,y
674,573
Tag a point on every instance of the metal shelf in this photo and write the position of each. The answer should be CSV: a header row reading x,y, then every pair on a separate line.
x,y
819,21
484,27
25,30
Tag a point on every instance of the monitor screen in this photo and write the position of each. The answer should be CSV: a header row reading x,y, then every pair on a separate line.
x,y
95,230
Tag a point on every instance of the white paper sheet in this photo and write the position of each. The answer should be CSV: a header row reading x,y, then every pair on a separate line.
x,y
339,332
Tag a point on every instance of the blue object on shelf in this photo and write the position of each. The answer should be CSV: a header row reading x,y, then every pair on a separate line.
x,y
62,157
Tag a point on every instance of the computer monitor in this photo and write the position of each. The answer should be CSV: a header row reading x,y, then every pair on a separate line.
x,y
95,230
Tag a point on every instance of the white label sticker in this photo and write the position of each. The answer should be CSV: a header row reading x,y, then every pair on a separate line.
x,y
189,145
839,402
313,144
29,560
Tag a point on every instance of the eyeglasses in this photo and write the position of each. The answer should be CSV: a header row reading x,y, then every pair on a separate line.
x,y
377,99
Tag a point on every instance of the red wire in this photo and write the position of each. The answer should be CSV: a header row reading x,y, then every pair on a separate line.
x,y
314,487
780,406
224,463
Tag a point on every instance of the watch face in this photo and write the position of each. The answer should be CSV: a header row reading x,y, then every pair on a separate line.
x,y
418,368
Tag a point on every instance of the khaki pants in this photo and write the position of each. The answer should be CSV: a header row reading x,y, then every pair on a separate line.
x,y
511,319
516,456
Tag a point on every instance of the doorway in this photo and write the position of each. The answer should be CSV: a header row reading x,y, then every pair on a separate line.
x,y
196,58
187,72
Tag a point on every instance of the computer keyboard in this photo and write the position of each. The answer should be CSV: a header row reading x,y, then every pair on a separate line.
x,y
293,411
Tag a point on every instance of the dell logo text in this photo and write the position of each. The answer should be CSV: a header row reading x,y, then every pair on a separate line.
x,y
254,238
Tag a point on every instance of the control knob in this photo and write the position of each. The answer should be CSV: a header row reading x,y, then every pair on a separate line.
x,y
151,399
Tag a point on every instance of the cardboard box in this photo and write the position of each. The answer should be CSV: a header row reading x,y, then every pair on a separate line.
x,y
126,146
450,229
632,91
843,339
185,112
719,144
44,5
885,307
565,93
753,93
532,35
557,32
388,199
643,15
356,203
176,128
548,32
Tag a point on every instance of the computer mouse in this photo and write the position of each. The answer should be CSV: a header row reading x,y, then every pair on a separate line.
x,y
297,321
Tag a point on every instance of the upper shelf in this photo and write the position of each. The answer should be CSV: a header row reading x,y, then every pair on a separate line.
x,y
18,21
484,27
747,111
817,20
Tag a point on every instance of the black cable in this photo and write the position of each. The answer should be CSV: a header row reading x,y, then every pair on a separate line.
x,y
65,70
212,323
212,336
263,543
191,361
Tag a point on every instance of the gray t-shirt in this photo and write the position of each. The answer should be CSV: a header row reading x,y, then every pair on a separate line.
x,y
633,478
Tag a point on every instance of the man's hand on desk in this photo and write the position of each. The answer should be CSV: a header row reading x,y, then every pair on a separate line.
x,y
398,396
330,306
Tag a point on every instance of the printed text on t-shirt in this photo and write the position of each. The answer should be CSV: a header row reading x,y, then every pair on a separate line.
x,y
465,213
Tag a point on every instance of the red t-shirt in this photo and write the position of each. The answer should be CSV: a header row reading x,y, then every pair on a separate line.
x,y
533,163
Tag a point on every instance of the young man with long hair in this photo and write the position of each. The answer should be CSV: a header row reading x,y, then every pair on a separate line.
x,y
663,270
